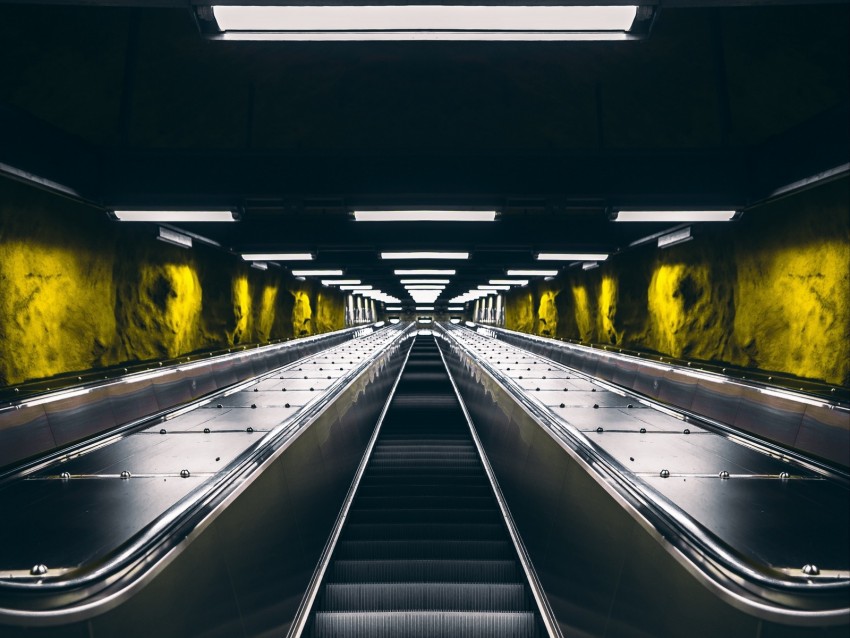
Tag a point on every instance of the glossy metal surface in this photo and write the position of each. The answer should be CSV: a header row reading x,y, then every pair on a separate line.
x,y
584,512
44,423
797,421
291,480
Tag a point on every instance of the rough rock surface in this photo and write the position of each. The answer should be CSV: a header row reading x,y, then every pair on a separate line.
x,y
770,292
78,292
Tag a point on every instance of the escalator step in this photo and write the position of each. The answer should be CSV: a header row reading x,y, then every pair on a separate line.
x,y
425,596
425,624
422,549
444,502
421,516
388,571
458,531
427,489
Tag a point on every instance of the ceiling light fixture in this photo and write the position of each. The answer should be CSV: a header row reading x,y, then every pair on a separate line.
x,y
340,282
674,215
590,265
572,256
420,271
393,308
277,256
356,287
493,287
174,215
532,273
424,22
424,254
317,273
424,281
424,215
509,282
259,265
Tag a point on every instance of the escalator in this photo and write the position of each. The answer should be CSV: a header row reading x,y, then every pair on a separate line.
x,y
424,549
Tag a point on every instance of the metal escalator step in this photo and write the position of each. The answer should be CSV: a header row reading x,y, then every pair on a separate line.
x,y
425,597
436,549
425,443
399,531
447,453
421,479
388,571
425,624
444,490
419,516
443,502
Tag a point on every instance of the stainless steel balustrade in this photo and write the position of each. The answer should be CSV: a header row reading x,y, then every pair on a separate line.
x,y
154,510
55,421
638,517
796,420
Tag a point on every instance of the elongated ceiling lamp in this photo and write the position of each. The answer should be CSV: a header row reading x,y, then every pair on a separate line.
x,y
424,22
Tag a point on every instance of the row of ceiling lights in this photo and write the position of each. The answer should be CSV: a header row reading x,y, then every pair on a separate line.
x,y
422,291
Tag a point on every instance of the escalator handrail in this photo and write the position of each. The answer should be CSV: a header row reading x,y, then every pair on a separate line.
x,y
82,590
708,558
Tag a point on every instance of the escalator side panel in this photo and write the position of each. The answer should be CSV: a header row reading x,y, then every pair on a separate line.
x,y
602,572
244,573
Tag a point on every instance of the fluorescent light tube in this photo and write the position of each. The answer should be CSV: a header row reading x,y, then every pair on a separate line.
x,y
455,320
177,239
572,256
590,265
532,273
277,256
424,281
259,265
424,287
427,308
424,22
393,308
356,287
493,287
340,282
175,215
317,273
455,308
424,215
674,215
509,282
438,272
424,254
676,237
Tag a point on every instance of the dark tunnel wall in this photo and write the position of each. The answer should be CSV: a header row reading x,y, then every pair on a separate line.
x,y
78,292
769,292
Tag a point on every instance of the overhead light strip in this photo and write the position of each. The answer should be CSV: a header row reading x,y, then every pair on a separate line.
x,y
532,273
317,273
424,254
174,215
431,272
423,22
572,256
424,215
674,215
277,256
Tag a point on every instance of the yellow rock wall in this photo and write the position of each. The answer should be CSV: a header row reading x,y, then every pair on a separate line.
x,y
78,292
769,292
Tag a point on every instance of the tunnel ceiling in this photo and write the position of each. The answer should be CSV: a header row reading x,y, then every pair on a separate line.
x,y
125,104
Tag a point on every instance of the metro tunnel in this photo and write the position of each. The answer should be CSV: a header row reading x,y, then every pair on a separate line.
x,y
479,320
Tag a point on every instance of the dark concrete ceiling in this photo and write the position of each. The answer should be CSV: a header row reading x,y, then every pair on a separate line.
x,y
128,105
